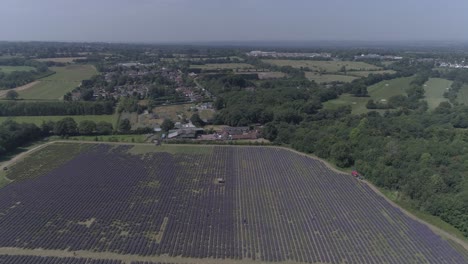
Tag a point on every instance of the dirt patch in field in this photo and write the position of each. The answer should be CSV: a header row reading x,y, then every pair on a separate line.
x,y
21,88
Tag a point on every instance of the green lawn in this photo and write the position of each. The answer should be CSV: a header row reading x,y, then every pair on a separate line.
x,y
78,118
56,85
9,69
327,78
327,66
435,89
462,96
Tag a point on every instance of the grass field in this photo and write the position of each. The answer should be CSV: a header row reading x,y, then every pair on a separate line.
x,y
462,96
366,73
62,60
10,69
166,204
378,92
38,120
55,86
327,66
222,66
358,104
327,78
386,89
435,89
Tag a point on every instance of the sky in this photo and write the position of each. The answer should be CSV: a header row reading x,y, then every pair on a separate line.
x,y
159,21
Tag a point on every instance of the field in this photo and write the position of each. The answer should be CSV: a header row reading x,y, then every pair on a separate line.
x,y
386,89
38,120
327,66
265,75
10,69
327,78
55,86
136,203
62,60
222,66
366,73
435,89
378,92
462,96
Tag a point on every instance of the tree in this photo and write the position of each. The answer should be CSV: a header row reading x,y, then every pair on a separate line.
x,y
197,121
65,127
86,127
125,125
104,128
68,97
12,95
167,125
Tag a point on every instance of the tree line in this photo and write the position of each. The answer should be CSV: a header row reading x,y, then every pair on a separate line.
x,y
38,108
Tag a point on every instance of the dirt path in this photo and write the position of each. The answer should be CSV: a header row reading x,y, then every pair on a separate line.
x,y
18,89
124,258
22,155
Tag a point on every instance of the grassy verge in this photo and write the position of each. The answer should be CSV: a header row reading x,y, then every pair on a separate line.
x,y
431,219
111,138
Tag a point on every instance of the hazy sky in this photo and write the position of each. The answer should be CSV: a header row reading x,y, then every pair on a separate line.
x,y
239,20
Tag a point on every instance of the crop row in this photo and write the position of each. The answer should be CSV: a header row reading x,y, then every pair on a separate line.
x,y
275,205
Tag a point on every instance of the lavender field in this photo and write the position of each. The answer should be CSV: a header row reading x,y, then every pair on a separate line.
x,y
275,206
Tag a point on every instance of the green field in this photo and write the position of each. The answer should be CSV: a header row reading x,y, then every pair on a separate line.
x,y
462,96
10,69
38,120
386,89
435,89
55,86
327,78
367,73
222,66
326,66
358,104
381,91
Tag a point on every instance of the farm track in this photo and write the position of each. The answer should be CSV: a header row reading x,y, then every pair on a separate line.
x,y
163,258
18,89
128,259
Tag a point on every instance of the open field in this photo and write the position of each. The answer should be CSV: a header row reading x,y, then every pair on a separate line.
x,y
18,89
10,69
222,66
265,75
327,66
386,89
381,91
367,73
38,120
129,203
62,60
435,89
327,78
55,86
462,96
